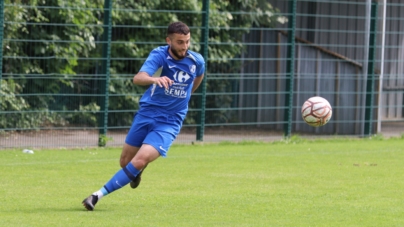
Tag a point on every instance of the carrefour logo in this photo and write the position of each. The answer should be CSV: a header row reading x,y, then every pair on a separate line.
x,y
181,76
179,89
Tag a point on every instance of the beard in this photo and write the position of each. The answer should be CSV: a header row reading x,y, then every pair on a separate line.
x,y
177,54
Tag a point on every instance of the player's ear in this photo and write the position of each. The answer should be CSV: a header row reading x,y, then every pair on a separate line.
x,y
168,40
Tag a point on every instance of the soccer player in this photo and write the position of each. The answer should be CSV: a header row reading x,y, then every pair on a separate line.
x,y
172,72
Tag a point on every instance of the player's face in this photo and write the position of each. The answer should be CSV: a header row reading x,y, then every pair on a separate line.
x,y
179,45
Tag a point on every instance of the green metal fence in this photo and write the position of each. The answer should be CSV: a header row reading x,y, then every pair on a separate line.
x,y
67,68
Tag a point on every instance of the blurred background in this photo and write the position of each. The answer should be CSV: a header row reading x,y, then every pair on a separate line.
x,y
67,68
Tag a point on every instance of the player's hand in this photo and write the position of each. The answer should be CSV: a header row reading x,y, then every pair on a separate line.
x,y
164,82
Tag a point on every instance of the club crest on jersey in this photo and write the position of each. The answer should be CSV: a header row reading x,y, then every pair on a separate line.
x,y
181,76
192,68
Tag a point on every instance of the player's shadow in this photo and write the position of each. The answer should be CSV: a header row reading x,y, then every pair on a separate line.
x,y
32,210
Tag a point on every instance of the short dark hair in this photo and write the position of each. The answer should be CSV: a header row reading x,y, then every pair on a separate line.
x,y
177,28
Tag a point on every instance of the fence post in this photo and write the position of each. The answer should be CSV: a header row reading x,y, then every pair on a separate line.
x,y
290,68
202,100
105,72
1,38
370,82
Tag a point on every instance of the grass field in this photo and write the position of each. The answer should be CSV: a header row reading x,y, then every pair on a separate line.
x,y
339,182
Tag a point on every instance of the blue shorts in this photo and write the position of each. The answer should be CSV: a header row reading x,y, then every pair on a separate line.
x,y
155,131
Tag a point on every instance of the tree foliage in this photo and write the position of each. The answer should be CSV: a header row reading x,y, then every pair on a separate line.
x,y
54,47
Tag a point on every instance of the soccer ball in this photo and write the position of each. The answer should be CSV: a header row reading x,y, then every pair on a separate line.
x,y
316,111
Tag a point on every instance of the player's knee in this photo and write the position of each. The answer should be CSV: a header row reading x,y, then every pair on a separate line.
x,y
123,162
139,163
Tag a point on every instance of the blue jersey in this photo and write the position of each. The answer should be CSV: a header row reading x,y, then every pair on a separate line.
x,y
161,102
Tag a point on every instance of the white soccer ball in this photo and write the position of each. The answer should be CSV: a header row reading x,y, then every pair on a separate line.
x,y
316,111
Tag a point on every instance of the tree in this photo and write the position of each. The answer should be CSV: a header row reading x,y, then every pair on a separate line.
x,y
44,41
52,49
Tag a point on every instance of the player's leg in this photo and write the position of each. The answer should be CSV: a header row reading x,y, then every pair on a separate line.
x,y
160,138
156,143
133,142
134,139
135,183
145,155
128,152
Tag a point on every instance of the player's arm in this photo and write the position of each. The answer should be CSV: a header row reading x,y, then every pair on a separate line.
x,y
143,79
197,82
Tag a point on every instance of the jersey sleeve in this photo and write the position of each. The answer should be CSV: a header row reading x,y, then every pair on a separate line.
x,y
201,65
153,63
201,69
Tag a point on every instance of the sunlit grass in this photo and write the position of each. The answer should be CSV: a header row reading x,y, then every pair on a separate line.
x,y
296,182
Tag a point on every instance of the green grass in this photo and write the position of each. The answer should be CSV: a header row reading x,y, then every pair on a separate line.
x,y
338,182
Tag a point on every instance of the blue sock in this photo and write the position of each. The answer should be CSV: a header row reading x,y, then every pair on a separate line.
x,y
122,178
